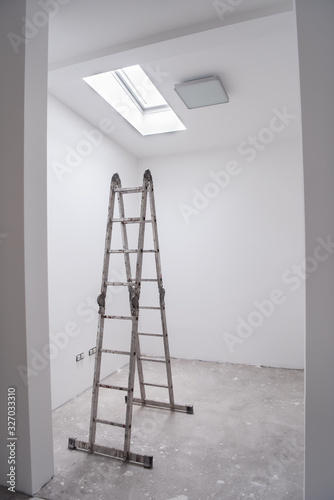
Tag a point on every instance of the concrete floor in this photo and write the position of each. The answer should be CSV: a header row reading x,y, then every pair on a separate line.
x,y
244,441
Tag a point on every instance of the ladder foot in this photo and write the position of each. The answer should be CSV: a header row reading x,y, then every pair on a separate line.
x,y
148,462
166,406
145,460
71,443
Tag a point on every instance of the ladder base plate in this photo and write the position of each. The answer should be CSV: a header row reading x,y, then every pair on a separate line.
x,y
144,460
159,404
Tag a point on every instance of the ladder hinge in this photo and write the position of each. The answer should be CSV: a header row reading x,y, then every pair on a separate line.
x,y
101,300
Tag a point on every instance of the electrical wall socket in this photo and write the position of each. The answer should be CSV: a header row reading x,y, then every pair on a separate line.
x,y
80,356
92,351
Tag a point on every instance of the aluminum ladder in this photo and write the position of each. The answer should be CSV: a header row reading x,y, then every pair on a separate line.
x,y
135,356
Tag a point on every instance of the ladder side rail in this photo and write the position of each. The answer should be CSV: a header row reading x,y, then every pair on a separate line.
x,y
131,380
134,302
124,237
161,294
101,302
131,287
138,278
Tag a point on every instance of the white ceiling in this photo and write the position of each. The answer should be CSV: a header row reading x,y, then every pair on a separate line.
x,y
252,49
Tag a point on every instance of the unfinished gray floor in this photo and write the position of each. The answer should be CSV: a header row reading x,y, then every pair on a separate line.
x,y
244,441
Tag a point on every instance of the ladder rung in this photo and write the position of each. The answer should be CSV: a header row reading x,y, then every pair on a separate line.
x,y
116,317
157,385
149,307
131,220
126,283
116,387
139,189
145,358
110,351
126,219
124,251
130,251
151,334
149,279
108,422
120,283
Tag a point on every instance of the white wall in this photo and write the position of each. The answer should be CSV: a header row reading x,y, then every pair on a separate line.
x,y
81,162
316,44
225,246
23,248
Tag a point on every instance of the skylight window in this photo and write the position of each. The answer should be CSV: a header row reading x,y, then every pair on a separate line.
x,y
133,95
140,87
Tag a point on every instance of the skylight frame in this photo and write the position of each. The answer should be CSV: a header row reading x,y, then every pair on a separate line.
x,y
124,79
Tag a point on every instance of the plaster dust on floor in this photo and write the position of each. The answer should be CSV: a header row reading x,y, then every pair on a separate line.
x,y
245,439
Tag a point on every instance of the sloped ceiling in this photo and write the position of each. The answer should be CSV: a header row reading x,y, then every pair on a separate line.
x,y
251,46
